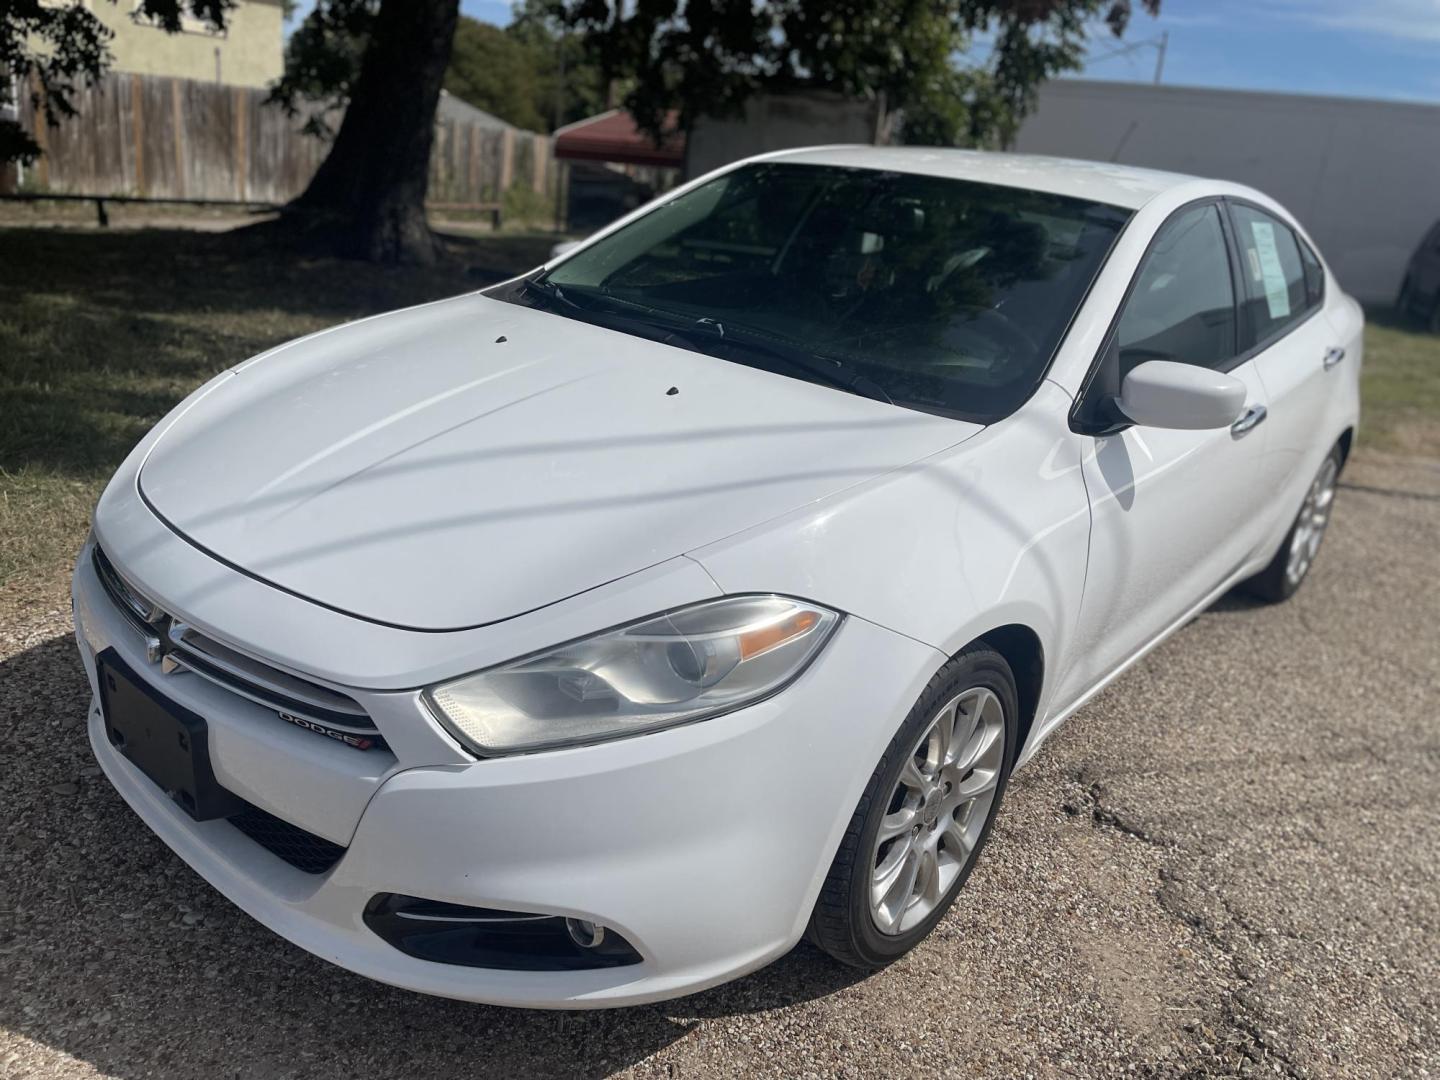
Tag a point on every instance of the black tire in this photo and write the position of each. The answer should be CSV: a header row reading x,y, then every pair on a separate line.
x,y
1273,584
1432,322
841,923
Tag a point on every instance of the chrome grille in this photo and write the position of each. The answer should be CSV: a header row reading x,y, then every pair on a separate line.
x,y
136,607
178,646
262,683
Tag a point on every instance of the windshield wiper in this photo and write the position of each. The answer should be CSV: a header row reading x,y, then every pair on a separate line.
x,y
660,330
541,286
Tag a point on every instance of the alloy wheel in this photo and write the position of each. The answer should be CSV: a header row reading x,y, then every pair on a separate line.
x,y
1311,524
937,810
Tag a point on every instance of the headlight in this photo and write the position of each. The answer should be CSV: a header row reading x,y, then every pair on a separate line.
x,y
669,669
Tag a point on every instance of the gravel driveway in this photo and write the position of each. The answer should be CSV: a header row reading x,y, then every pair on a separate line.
x,y
1227,863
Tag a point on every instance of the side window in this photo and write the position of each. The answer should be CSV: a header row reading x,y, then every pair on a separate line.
x,y
1314,276
1182,307
1276,291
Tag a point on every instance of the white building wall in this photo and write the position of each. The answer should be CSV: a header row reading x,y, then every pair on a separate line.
x,y
782,122
250,51
1362,176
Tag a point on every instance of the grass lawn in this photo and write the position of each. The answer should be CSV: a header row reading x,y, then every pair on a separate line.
x,y
1400,387
102,332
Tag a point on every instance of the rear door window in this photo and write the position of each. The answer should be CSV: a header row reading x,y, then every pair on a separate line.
x,y
1314,275
1278,291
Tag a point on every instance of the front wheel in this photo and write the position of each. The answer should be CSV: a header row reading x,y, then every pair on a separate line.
x,y
1296,556
925,814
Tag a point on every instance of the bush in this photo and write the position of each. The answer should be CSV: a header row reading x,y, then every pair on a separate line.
x,y
526,207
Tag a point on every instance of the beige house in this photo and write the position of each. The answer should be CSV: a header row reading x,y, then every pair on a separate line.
x,y
248,52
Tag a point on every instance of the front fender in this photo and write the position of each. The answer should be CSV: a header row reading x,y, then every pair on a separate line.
x,y
992,532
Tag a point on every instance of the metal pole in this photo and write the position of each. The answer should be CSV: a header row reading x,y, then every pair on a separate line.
x,y
1160,59
11,111
560,80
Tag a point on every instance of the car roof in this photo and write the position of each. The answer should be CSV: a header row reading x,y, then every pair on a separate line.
x,y
1118,185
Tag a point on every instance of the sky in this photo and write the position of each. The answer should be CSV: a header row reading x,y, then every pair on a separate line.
x,y
1350,48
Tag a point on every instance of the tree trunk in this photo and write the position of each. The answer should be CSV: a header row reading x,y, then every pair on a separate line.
x,y
370,190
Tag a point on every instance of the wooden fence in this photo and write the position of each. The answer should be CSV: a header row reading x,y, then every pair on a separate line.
x,y
163,138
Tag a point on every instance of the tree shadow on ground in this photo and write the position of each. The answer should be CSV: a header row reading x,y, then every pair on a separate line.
x,y
102,333
179,271
117,953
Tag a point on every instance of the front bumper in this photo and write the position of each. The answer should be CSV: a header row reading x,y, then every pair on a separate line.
x,y
704,845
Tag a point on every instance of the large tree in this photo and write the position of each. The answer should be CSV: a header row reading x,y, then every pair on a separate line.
x,y
531,73
54,49
697,57
367,199
706,57
569,82
497,72
368,196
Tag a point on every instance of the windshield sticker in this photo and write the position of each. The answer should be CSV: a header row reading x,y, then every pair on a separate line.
x,y
1272,274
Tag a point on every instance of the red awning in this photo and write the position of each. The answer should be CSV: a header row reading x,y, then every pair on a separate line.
x,y
612,136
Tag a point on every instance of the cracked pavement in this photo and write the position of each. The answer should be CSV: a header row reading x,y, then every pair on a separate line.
x,y
1227,863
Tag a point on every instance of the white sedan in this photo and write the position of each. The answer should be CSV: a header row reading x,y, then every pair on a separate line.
x,y
591,639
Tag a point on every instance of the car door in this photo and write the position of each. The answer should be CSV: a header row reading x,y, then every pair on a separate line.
x,y
1293,347
1173,513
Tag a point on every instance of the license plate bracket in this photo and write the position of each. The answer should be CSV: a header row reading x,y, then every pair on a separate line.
x,y
168,743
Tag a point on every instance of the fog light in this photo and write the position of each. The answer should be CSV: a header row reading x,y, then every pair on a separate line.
x,y
447,933
586,934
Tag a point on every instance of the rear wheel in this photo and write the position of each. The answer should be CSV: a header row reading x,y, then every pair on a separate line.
x,y
1296,556
924,816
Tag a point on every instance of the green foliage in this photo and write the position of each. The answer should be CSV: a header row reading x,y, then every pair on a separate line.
x,y
497,72
55,49
569,83
706,57
527,74
1400,386
322,61
524,206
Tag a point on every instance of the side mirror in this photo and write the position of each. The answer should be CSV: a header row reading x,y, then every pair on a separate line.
x,y
562,247
1164,394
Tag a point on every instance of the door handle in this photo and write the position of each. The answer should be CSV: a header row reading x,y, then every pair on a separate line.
x,y
1333,356
1249,421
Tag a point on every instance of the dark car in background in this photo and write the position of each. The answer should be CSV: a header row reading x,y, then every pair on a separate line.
x,y
1420,294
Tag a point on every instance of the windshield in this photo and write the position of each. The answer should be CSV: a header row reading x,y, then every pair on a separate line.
x,y
936,294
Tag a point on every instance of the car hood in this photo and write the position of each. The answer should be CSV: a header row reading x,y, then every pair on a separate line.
x,y
464,462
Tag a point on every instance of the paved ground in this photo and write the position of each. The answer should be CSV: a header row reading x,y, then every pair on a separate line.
x,y
1228,863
